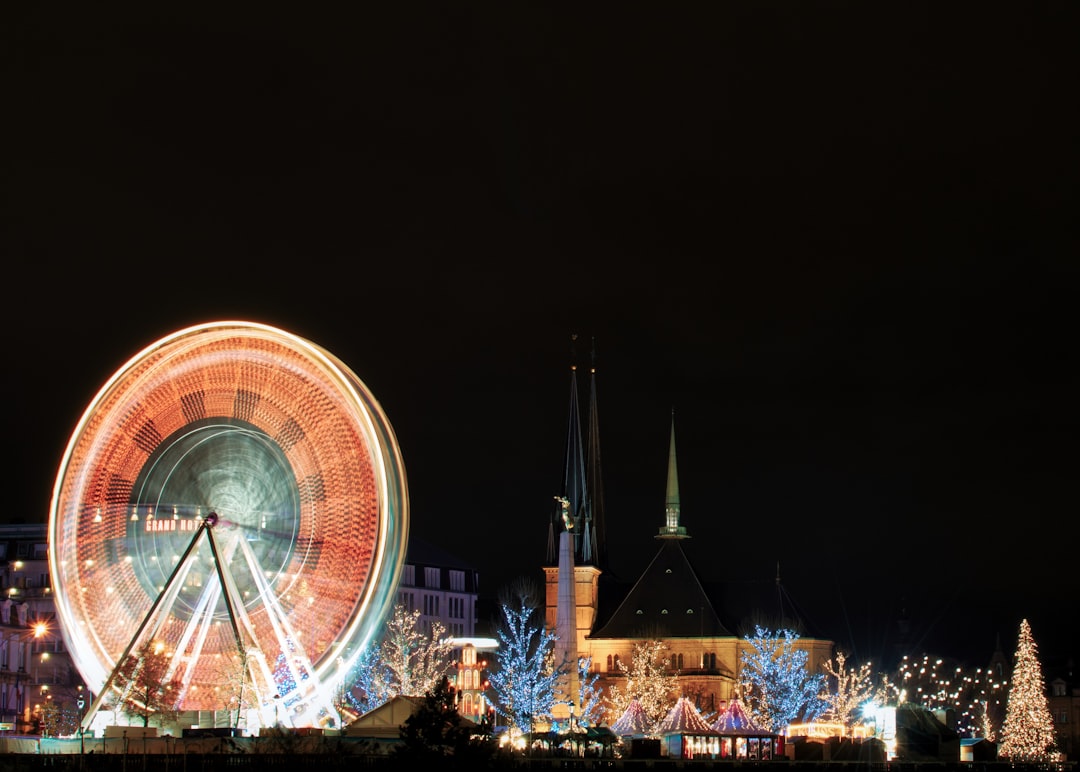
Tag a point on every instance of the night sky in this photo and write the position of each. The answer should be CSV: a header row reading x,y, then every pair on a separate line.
x,y
837,239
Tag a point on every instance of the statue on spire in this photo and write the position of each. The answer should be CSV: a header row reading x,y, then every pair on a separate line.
x,y
564,503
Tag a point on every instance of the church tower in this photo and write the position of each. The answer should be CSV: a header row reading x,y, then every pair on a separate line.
x,y
572,571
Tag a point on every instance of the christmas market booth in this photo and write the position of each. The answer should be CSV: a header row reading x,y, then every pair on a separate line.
x,y
742,738
686,735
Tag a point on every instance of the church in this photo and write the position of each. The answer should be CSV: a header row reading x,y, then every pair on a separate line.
x,y
602,621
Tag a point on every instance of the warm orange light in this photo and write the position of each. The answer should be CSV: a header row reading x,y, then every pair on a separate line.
x,y
40,629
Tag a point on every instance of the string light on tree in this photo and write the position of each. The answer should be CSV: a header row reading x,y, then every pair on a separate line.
x,y
1028,733
937,683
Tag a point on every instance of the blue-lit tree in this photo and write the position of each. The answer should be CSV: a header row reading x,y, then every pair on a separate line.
x,y
775,683
526,679
370,681
590,699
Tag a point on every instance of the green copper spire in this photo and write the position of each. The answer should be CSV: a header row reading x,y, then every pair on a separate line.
x,y
672,529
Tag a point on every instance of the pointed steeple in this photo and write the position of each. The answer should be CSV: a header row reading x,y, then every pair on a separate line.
x,y
574,490
593,482
671,528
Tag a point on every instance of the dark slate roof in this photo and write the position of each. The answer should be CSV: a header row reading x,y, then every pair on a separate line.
x,y
423,553
667,601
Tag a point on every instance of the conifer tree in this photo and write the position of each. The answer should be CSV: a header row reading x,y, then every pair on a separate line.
x,y
436,732
1028,733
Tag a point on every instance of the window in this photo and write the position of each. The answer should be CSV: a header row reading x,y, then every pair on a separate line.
x,y
41,551
408,576
431,577
457,581
1058,688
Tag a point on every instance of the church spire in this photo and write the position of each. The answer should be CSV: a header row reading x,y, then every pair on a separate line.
x,y
593,482
574,492
671,528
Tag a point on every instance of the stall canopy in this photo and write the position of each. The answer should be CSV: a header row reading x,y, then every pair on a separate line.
x,y
734,720
634,722
684,718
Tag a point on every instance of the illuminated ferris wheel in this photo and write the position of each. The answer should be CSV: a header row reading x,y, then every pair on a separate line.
x,y
234,497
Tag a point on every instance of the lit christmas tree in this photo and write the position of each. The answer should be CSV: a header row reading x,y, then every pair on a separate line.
x,y
1028,733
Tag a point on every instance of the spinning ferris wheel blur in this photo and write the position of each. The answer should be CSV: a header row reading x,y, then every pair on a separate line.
x,y
235,495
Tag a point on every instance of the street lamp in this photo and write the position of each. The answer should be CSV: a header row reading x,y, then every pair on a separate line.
x,y
573,738
20,635
81,702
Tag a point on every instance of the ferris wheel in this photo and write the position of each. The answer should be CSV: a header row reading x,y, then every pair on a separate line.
x,y
234,497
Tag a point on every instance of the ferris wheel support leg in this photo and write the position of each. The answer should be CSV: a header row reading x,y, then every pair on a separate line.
x,y
106,688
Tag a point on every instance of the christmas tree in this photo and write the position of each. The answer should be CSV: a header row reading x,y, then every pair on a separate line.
x,y
1028,733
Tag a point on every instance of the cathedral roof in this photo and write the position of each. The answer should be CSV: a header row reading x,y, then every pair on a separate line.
x,y
667,601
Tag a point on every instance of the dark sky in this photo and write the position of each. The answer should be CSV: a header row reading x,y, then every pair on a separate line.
x,y
838,239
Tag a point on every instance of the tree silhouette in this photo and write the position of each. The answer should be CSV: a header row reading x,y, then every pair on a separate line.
x,y
146,685
436,731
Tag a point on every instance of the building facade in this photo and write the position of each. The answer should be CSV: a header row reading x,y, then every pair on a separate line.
x,y
441,586
40,691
